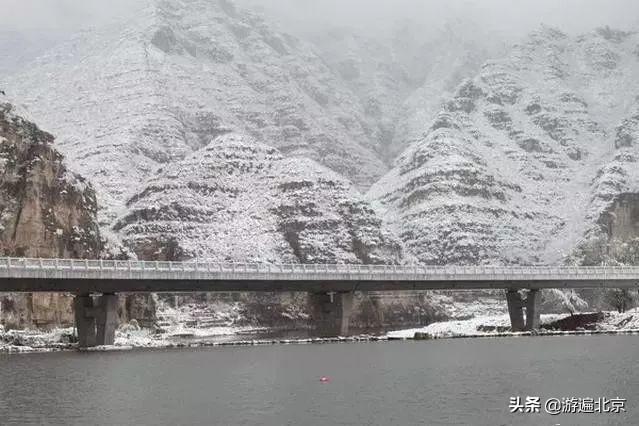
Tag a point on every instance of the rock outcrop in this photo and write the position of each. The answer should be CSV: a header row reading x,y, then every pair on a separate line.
x,y
45,211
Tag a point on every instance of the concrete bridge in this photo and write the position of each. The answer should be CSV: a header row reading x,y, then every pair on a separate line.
x,y
96,283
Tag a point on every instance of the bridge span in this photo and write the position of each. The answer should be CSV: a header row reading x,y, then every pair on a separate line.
x,y
96,282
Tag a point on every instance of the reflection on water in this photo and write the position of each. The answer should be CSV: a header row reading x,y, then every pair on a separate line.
x,y
404,383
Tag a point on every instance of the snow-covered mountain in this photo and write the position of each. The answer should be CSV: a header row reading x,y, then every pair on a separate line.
x,y
524,159
130,97
239,200
402,76
208,133
454,54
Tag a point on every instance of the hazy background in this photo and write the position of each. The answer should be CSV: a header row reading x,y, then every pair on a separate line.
x,y
375,15
59,14
512,16
28,28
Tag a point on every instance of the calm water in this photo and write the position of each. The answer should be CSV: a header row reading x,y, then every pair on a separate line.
x,y
404,383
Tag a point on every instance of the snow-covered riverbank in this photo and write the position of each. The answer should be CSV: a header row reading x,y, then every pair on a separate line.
x,y
19,341
499,325
195,323
178,334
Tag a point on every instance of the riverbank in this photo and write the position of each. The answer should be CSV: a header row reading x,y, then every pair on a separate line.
x,y
127,336
130,336
552,324
29,341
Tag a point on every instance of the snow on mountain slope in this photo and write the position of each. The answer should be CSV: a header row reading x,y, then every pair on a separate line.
x,y
129,97
401,78
371,68
453,55
239,200
517,166
522,160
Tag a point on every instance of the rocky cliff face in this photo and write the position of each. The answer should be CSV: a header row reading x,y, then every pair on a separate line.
x,y
621,220
523,160
45,211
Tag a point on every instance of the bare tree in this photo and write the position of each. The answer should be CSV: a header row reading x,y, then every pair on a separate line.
x,y
620,299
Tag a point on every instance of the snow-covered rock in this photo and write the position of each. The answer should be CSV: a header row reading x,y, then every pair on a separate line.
x,y
239,200
524,159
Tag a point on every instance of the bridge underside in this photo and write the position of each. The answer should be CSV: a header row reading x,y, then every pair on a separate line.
x,y
111,286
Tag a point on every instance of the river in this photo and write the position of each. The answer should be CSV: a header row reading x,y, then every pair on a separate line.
x,y
440,382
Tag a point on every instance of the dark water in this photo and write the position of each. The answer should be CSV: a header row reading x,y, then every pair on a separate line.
x,y
404,383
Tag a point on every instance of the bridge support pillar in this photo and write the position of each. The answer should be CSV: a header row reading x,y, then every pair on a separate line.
x,y
96,319
516,305
106,319
533,305
84,320
330,313
515,310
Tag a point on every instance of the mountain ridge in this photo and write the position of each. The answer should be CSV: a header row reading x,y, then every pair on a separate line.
x,y
505,165
516,167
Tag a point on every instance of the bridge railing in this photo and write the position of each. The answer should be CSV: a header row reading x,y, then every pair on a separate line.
x,y
125,268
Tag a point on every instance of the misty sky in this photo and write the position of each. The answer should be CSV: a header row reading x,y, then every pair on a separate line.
x,y
500,15
515,16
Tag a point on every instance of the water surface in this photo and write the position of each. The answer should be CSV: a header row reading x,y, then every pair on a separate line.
x,y
459,381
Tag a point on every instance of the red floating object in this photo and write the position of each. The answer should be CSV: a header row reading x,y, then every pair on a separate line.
x,y
325,379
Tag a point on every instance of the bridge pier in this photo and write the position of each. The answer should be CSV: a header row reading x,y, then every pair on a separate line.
x,y
533,307
84,320
330,313
515,310
96,319
516,305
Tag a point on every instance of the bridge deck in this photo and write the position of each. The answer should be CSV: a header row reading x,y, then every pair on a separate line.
x,y
102,276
